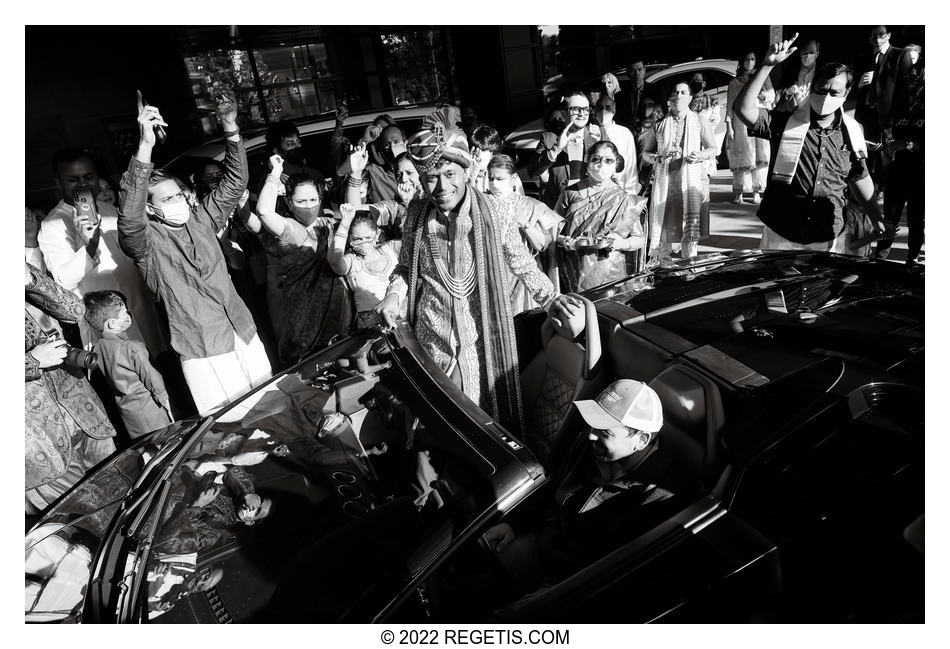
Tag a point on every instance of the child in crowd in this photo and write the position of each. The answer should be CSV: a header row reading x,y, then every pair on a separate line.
x,y
367,266
138,387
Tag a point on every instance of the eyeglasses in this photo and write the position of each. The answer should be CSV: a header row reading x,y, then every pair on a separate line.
x,y
879,37
596,160
577,110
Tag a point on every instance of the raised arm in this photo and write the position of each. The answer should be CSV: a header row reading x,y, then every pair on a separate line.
x,y
549,148
267,200
339,145
221,202
133,221
358,159
337,254
745,104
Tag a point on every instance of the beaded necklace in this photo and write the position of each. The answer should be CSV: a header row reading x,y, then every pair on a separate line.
x,y
458,288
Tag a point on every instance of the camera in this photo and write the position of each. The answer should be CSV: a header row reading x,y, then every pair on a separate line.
x,y
74,357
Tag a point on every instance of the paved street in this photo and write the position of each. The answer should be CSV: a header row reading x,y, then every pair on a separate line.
x,y
735,227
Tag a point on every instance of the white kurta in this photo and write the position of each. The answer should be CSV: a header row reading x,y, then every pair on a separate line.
x,y
64,251
626,144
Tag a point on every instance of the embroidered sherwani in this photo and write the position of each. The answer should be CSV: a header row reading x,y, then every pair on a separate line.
x,y
447,313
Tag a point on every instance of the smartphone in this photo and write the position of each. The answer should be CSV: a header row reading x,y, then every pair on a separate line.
x,y
160,136
86,205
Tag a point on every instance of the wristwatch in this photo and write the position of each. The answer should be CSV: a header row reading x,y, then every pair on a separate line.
x,y
228,134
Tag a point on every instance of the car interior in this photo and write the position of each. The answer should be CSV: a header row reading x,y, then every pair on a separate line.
x,y
578,360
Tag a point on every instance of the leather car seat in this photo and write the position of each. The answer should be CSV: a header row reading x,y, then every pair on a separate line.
x,y
563,371
693,419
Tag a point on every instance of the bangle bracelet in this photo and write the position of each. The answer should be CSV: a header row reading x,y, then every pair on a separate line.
x,y
354,182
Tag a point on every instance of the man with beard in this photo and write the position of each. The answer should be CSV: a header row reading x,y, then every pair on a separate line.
x,y
172,239
84,256
817,152
453,268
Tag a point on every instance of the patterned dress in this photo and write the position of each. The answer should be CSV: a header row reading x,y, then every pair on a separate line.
x,y
67,430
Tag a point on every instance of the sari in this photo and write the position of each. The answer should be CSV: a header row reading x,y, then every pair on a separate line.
x,y
592,216
316,301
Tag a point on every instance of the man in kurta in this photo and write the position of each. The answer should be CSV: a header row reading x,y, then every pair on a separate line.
x,y
84,256
173,240
458,246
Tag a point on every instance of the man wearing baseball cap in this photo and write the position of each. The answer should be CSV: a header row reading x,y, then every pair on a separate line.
x,y
614,486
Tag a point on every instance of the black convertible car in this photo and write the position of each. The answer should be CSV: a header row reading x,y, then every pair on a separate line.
x,y
356,486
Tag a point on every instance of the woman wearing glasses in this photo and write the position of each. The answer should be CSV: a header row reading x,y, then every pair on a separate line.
x,y
679,147
601,223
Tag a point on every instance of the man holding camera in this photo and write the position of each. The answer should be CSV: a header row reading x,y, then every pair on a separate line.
x,y
81,248
172,238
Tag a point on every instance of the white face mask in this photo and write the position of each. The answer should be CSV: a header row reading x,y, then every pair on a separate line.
x,y
680,104
176,213
601,173
825,104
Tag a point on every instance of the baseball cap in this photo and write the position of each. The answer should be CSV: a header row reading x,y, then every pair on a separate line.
x,y
624,403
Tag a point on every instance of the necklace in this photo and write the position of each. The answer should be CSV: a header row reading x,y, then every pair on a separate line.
x,y
458,288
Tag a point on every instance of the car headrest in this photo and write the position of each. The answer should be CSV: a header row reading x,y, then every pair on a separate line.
x,y
571,327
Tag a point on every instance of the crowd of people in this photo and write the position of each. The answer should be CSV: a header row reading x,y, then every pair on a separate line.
x,y
213,282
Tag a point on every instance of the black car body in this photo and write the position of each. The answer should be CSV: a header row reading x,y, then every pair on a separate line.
x,y
792,386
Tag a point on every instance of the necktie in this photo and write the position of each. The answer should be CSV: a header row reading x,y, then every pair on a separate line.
x,y
872,93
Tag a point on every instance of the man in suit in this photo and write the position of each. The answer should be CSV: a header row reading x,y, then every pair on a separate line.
x,y
878,73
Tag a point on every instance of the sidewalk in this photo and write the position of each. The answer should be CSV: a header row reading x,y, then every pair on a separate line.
x,y
735,227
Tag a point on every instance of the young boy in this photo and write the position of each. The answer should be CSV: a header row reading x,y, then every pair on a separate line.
x,y
138,387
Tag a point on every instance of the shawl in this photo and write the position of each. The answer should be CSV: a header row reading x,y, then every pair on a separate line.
x,y
793,139
691,176
497,347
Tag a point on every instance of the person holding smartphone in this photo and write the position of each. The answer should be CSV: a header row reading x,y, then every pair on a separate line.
x,y
81,252
172,238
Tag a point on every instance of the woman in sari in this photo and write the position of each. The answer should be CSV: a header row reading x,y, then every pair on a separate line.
x,y
316,302
748,156
601,223
537,224
679,148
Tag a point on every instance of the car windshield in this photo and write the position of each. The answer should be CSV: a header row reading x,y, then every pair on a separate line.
x,y
60,548
329,489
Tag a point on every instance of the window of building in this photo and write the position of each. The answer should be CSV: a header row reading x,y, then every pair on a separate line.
x,y
416,65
